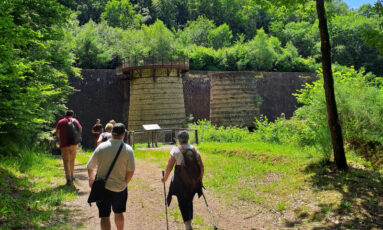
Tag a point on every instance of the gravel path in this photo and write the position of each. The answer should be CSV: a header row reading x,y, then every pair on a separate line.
x,y
145,207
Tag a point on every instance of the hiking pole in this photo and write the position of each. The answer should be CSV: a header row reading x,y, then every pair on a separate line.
x,y
211,215
166,206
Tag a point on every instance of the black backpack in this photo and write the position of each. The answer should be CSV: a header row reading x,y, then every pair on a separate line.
x,y
190,172
73,132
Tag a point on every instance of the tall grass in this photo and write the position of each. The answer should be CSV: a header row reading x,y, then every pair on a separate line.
x,y
208,132
32,192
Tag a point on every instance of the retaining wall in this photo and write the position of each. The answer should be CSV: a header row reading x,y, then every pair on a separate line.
x,y
101,95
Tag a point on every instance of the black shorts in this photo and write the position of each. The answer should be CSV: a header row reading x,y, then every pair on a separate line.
x,y
115,200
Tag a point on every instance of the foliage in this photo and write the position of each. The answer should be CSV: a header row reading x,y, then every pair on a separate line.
x,y
158,38
359,99
283,131
287,39
220,37
87,9
120,13
89,50
348,37
261,52
35,60
208,132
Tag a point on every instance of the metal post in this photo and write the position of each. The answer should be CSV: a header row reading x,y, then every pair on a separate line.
x,y
149,139
196,136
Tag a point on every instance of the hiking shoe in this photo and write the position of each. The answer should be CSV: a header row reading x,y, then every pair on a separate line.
x,y
73,178
68,182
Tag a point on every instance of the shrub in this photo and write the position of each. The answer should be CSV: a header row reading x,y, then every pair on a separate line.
x,y
208,132
359,99
283,131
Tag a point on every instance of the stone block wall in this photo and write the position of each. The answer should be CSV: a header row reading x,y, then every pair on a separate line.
x,y
100,94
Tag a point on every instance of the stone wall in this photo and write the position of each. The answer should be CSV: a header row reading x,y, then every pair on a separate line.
x,y
275,89
99,95
197,96
102,95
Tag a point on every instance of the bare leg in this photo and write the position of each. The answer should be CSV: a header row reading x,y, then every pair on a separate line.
x,y
119,220
105,223
188,225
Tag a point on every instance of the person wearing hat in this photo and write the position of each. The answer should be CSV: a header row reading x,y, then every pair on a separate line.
x,y
121,174
96,131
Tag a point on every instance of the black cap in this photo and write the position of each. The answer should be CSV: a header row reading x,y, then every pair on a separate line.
x,y
118,129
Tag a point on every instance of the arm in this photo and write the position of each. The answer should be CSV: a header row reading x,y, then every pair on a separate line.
x,y
169,168
128,176
91,166
91,177
79,125
99,140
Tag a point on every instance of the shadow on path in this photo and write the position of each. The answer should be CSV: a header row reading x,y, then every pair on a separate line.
x,y
361,202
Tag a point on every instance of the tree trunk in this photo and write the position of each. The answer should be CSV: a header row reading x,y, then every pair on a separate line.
x,y
332,113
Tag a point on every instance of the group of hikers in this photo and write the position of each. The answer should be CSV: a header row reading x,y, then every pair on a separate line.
x,y
113,162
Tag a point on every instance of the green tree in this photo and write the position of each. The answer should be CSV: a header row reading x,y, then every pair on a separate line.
x,y
197,32
89,50
158,38
304,35
35,63
350,43
87,9
120,13
220,37
261,52
332,113
375,37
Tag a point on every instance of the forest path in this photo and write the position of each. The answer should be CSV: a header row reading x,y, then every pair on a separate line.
x,y
145,206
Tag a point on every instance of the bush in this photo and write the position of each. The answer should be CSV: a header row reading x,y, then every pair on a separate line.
x,y
208,132
283,131
359,99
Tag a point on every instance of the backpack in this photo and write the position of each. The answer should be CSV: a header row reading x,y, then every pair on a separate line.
x,y
106,136
73,132
190,170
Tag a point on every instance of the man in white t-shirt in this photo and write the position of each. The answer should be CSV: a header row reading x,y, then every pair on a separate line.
x,y
116,185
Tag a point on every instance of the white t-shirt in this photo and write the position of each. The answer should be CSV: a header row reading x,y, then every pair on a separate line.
x,y
177,154
103,157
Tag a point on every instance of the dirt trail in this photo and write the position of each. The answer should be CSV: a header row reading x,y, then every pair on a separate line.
x,y
145,207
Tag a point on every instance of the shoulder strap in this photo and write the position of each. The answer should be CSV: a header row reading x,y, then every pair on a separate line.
x,y
114,161
183,152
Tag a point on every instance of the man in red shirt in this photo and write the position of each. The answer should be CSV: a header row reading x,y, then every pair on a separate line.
x,y
67,145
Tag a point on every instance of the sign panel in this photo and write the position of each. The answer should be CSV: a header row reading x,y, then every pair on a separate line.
x,y
151,126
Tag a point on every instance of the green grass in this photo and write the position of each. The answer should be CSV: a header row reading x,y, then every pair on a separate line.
x,y
248,171
272,176
32,192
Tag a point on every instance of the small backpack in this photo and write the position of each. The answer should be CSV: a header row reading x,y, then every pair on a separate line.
x,y
73,132
190,172
106,136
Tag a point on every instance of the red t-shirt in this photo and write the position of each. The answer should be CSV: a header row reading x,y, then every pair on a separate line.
x,y
62,129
